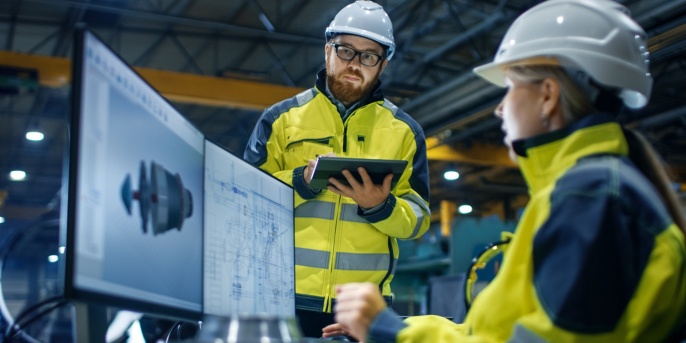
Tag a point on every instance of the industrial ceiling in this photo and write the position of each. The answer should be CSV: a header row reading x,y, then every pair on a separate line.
x,y
221,62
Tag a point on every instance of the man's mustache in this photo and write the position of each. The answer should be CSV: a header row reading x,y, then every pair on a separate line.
x,y
356,73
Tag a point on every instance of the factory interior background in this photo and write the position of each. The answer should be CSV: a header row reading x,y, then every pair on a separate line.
x,y
221,63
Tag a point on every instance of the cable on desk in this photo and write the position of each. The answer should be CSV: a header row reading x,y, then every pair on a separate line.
x,y
49,305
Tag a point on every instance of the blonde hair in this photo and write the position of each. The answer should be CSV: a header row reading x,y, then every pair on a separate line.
x,y
575,104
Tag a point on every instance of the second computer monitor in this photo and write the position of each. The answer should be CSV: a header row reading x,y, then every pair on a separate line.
x,y
249,239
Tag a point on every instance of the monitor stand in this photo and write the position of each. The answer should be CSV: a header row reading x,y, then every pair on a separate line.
x,y
90,322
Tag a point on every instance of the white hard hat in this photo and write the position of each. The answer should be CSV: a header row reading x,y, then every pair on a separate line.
x,y
366,19
596,36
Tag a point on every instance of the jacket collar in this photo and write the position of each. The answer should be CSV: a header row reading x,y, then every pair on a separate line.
x,y
543,158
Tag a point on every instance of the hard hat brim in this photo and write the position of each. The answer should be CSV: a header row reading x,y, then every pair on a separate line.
x,y
494,72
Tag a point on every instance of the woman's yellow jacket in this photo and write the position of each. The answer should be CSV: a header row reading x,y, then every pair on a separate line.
x,y
595,256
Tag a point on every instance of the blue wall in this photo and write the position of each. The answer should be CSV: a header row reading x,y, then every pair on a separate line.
x,y
470,236
433,255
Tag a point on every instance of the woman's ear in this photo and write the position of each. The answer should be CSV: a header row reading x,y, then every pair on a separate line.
x,y
550,89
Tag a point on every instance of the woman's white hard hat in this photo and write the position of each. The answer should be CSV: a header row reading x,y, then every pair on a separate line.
x,y
595,36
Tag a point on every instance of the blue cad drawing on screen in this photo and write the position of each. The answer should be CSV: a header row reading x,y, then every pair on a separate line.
x,y
249,256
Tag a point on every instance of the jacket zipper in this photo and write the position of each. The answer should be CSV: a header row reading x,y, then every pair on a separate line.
x,y
390,265
328,299
345,137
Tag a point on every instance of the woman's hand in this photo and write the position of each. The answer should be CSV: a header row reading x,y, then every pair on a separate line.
x,y
357,304
334,330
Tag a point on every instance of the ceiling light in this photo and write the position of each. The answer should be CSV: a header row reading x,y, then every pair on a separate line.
x,y
451,175
35,136
53,258
464,209
17,175
34,133
2,219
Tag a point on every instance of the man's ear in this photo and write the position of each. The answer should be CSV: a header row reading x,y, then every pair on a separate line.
x,y
383,65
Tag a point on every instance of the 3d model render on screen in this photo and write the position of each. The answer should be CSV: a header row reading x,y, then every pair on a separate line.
x,y
163,197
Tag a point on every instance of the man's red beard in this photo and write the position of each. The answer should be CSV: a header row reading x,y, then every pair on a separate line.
x,y
346,92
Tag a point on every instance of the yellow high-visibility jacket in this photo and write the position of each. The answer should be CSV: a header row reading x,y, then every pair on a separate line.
x,y
336,242
594,258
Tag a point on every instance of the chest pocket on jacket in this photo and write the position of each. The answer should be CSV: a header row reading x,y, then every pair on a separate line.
x,y
300,152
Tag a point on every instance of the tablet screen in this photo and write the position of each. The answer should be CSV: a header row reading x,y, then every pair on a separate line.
x,y
377,169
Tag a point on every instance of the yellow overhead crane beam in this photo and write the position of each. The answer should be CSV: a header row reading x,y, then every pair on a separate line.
x,y
482,154
181,87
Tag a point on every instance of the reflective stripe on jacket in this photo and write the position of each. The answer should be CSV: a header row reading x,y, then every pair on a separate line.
x,y
335,242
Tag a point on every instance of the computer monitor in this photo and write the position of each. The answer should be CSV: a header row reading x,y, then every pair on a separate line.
x,y
135,200
249,241
160,219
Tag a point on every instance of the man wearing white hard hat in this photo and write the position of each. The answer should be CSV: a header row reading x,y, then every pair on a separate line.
x,y
599,253
346,233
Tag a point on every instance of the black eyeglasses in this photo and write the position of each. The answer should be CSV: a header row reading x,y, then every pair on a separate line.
x,y
347,53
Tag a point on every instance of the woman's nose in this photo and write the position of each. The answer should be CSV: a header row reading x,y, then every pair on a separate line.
x,y
499,110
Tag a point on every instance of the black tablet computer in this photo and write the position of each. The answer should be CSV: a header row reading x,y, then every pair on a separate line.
x,y
377,169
